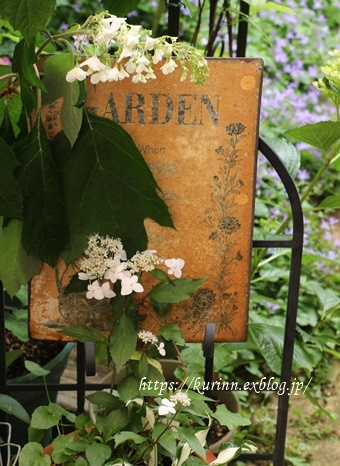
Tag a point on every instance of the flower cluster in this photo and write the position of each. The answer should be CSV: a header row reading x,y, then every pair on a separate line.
x,y
105,263
330,84
136,52
148,337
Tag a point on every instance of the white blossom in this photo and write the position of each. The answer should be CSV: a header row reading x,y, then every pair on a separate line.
x,y
161,349
130,284
147,337
169,66
97,291
175,266
167,407
181,398
76,74
93,63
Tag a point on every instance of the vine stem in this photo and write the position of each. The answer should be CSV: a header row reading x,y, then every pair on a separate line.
x,y
59,37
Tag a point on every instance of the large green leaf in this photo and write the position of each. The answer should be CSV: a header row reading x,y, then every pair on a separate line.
x,y
16,266
45,232
229,419
288,154
321,135
27,16
116,421
97,454
269,340
119,8
85,334
109,188
12,406
177,291
11,202
24,59
330,202
123,341
32,454
55,69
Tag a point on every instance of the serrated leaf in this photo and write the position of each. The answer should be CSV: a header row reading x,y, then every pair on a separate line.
x,y
104,400
179,290
116,421
85,334
35,369
56,68
16,266
128,388
120,8
27,16
269,340
32,454
11,201
13,407
189,436
331,202
123,340
321,135
45,231
124,436
288,154
229,419
143,366
172,332
24,59
327,297
106,164
97,454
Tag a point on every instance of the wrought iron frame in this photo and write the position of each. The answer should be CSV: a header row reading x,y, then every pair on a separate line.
x,y
85,359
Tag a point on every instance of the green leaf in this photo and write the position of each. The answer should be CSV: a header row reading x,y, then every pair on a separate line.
x,y
85,334
330,202
97,454
321,135
104,400
125,436
35,369
56,68
13,407
32,454
115,421
160,275
229,419
179,290
45,417
24,59
27,16
161,309
259,5
123,340
128,388
269,341
188,435
11,201
326,296
45,232
119,8
288,154
105,173
143,366
12,356
16,266
172,332
165,438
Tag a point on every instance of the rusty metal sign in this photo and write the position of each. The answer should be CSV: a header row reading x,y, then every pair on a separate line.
x,y
201,144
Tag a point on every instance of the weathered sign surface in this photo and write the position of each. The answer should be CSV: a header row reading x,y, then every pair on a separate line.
x,y
201,143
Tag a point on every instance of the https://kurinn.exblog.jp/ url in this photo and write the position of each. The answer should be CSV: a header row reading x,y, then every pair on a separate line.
x,y
198,384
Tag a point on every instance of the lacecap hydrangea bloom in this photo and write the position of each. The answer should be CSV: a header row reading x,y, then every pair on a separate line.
x,y
135,53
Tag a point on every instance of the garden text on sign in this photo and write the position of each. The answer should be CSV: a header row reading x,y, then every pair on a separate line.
x,y
200,143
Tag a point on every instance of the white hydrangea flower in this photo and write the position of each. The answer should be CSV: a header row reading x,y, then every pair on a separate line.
x,y
181,398
161,349
147,337
94,64
97,291
169,66
167,407
175,266
130,284
76,74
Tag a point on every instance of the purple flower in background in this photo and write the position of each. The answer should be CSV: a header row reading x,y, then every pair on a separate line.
x,y
303,175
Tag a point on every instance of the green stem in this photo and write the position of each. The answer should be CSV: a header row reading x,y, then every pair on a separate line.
x,y
59,37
